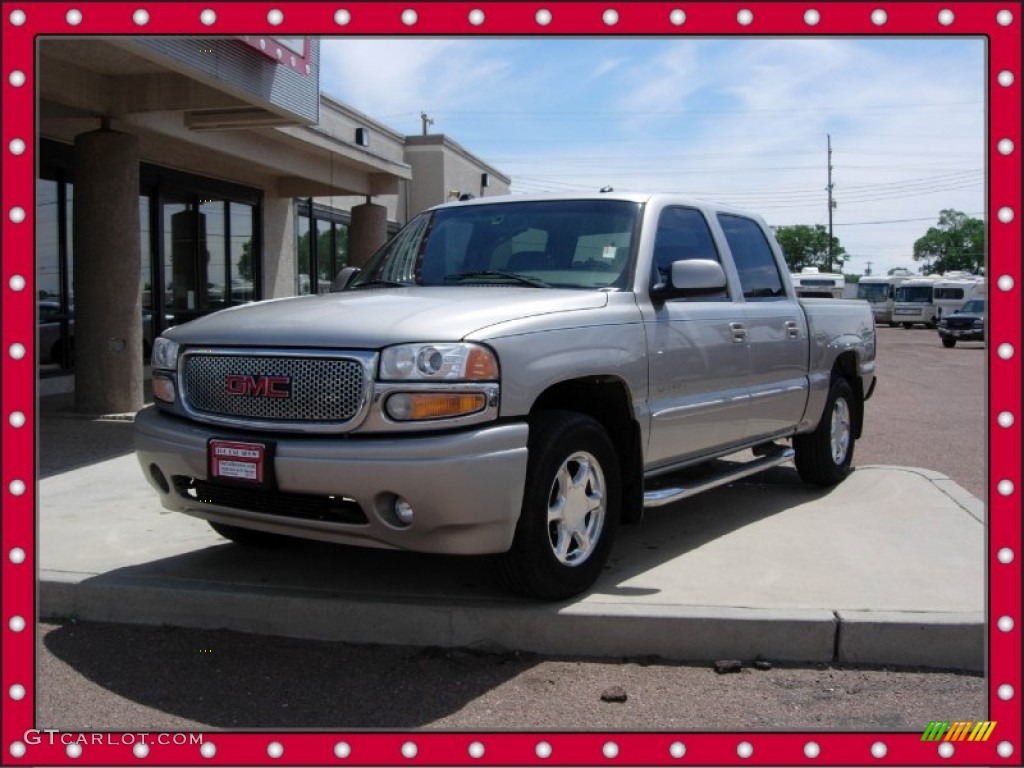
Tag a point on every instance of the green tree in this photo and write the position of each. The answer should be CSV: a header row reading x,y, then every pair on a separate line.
x,y
957,243
805,246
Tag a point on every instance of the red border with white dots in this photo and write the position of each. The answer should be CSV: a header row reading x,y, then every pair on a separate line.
x,y
999,22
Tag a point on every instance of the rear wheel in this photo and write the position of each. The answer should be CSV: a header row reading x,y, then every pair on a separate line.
x,y
570,508
825,456
908,326
249,536
949,343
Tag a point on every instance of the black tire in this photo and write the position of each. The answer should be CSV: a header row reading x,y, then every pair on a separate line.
x,y
249,536
552,558
908,326
825,456
949,343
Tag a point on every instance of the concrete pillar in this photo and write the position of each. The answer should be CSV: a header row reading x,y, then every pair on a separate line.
x,y
367,232
107,274
279,254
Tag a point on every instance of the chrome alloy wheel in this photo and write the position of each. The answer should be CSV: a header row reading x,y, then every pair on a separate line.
x,y
841,431
576,509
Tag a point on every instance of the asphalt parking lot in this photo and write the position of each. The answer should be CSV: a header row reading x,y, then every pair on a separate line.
x,y
86,681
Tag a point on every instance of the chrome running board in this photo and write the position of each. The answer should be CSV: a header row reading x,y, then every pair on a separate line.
x,y
772,457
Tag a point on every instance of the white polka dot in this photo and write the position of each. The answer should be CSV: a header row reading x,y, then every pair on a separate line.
x,y
879,17
610,750
677,750
16,419
543,750
275,16
74,751
946,750
1005,351
16,624
476,17
610,17
16,556
1005,78
543,17
1004,18
745,17
17,749
17,17
73,17
409,17
17,147
208,750
275,749
141,19
677,17
476,750
342,750
1005,749
946,17
16,78
17,351
812,17
879,750
16,692
208,17
745,749
1005,692
812,750
1005,283
141,750
1005,555
1005,624
409,750
17,487
342,17
1005,487
1005,146
1005,214
16,283
17,214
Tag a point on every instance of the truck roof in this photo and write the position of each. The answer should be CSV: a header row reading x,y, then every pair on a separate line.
x,y
651,197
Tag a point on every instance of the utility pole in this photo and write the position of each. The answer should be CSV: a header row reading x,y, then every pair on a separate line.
x,y
868,270
427,120
831,202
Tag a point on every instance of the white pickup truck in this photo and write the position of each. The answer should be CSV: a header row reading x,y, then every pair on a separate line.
x,y
512,375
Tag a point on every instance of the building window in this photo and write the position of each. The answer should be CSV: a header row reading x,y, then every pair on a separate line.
x,y
321,247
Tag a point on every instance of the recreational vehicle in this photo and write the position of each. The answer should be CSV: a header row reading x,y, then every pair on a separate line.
x,y
813,284
880,292
923,300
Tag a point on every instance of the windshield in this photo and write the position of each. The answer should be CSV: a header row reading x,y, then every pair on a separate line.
x,y
915,294
582,244
974,307
872,291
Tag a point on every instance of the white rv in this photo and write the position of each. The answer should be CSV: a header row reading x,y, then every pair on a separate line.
x,y
810,283
923,300
880,292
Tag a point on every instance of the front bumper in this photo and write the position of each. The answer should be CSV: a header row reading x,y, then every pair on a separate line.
x,y
963,334
465,488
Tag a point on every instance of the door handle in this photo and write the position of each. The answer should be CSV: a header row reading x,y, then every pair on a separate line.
x,y
739,332
792,329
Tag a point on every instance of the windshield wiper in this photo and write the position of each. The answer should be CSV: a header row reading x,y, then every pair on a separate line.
x,y
521,279
377,284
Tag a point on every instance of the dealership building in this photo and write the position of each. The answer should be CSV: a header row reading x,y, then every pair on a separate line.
x,y
179,176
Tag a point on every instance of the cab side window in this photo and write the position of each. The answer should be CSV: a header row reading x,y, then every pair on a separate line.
x,y
755,262
682,234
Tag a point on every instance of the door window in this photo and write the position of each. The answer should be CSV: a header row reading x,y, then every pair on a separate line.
x,y
754,259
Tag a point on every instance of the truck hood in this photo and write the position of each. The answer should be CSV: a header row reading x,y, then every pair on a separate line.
x,y
373,318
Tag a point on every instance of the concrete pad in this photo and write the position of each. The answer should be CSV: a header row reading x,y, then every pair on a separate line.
x,y
887,568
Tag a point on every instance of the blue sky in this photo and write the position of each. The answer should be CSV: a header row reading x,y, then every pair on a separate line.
x,y
742,121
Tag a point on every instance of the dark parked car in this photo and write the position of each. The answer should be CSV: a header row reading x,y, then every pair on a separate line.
x,y
965,324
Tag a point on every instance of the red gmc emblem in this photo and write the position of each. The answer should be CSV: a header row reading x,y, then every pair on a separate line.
x,y
258,386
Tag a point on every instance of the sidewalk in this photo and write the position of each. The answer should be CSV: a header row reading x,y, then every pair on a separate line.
x,y
887,568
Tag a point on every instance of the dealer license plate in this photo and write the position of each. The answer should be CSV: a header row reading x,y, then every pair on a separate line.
x,y
240,462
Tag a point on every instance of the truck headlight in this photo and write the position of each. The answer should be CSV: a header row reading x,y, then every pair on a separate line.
x,y
438,362
979,324
165,354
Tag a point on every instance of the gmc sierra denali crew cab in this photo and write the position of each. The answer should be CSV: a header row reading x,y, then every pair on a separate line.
x,y
512,375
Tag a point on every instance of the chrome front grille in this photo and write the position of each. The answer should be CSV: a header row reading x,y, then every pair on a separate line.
x,y
266,389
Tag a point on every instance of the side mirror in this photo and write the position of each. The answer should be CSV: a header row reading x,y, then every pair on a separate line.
x,y
692,278
343,278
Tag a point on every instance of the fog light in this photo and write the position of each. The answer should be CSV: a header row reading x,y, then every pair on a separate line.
x,y
403,511
163,389
409,406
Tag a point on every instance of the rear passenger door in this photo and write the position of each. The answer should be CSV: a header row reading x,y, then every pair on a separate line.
x,y
698,356
776,331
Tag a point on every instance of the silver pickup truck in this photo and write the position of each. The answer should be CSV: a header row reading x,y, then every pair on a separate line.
x,y
513,375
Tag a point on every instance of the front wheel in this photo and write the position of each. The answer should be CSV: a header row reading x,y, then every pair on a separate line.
x,y
949,343
825,456
570,508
